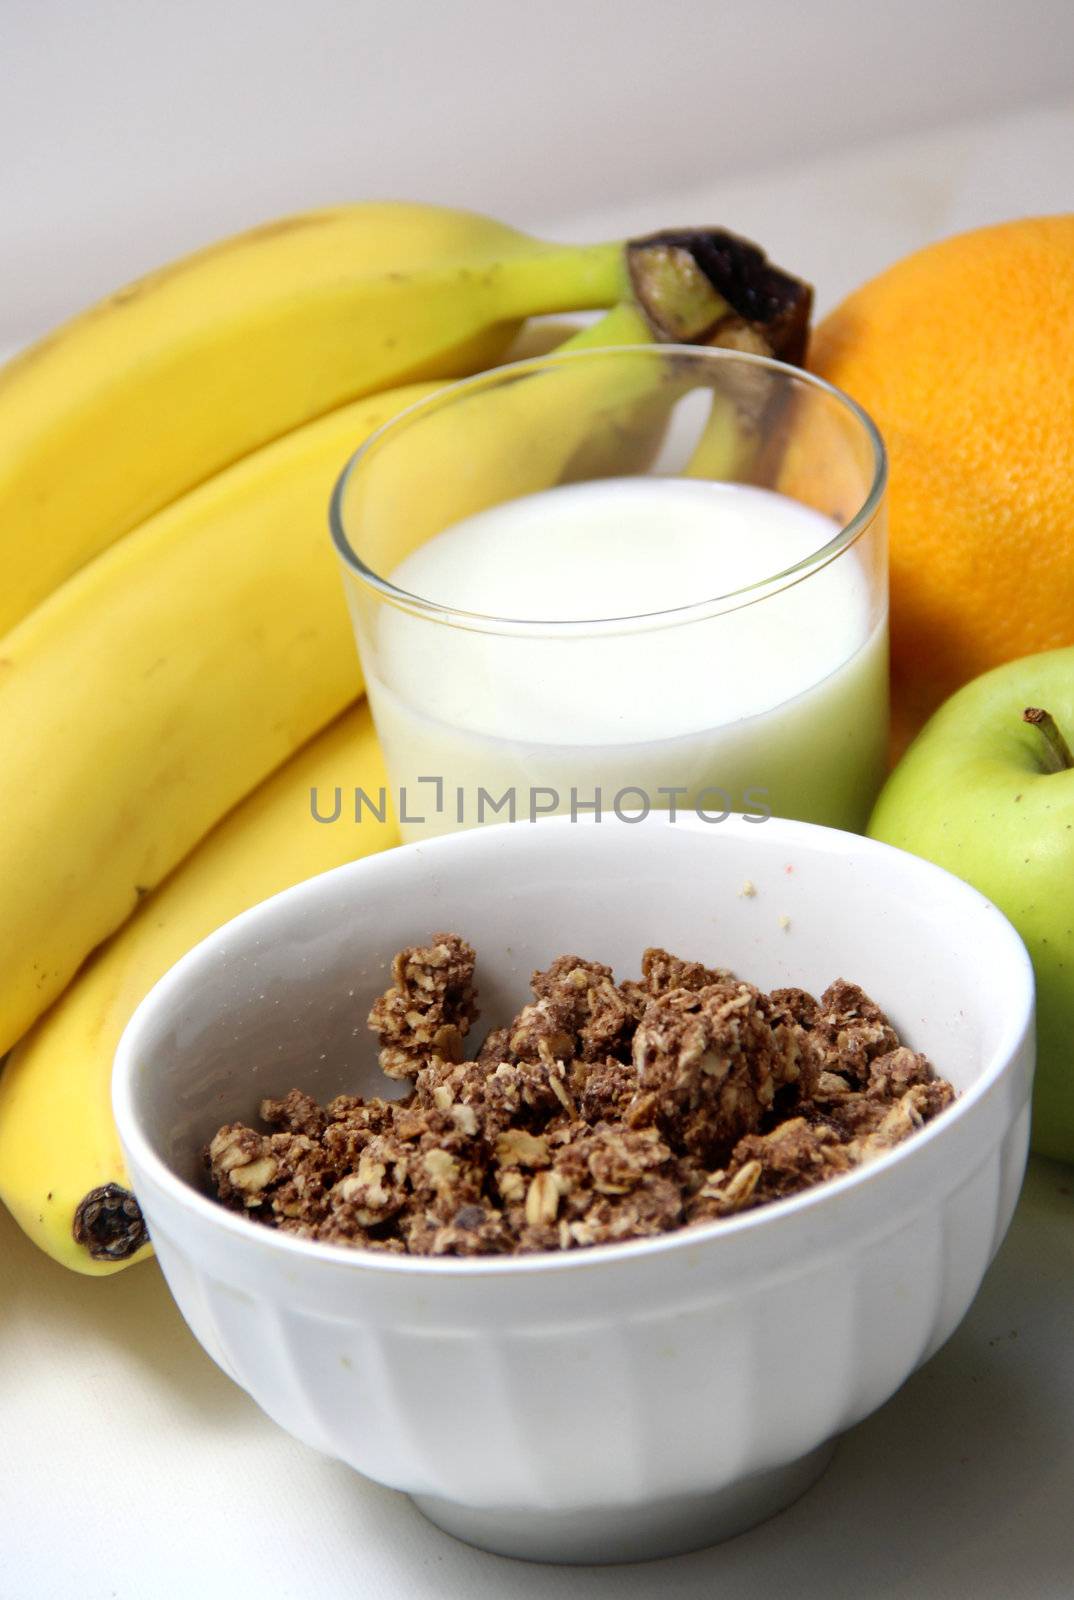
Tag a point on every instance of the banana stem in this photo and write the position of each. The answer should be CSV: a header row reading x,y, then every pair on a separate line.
x,y
707,286
561,278
625,323
1059,757
627,403
697,286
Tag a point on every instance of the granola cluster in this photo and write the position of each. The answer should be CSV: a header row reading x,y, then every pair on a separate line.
x,y
603,1111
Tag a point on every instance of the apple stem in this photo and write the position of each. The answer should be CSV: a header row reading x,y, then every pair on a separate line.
x,y
1060,758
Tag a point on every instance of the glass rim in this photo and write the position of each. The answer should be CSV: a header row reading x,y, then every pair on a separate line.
x,y
696,610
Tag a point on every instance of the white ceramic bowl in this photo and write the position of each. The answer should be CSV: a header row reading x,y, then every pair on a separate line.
x,y
635,1399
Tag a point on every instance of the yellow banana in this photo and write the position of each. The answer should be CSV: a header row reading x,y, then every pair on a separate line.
x,y
159,685
124,409
61,1169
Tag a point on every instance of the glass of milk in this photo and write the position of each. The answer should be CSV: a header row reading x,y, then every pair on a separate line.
x,y
617,580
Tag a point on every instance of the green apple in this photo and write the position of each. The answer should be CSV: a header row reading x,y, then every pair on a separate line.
x,y
990,796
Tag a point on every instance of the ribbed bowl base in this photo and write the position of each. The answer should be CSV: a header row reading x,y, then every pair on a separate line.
x,y
599,1535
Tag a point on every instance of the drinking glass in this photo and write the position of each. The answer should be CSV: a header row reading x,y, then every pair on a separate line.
x,y
746,680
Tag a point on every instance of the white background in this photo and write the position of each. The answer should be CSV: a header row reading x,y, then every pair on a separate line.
x,y
132,130
838,134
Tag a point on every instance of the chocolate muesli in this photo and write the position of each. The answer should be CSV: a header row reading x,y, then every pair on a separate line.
x,y
603,1111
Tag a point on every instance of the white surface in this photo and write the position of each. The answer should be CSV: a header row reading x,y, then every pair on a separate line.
x,y
574,1405
133,1470
133,132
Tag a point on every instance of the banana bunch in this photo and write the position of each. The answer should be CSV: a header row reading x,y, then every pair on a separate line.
x,y
173,634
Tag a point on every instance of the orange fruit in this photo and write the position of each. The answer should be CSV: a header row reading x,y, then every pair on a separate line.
x,y
964,356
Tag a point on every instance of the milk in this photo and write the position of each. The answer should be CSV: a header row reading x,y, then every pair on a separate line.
x,y
779,705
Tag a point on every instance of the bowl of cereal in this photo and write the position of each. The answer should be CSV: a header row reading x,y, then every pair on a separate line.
x,y
585,1181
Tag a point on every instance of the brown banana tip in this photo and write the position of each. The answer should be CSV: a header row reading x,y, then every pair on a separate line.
x,y
108,1222
741,283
